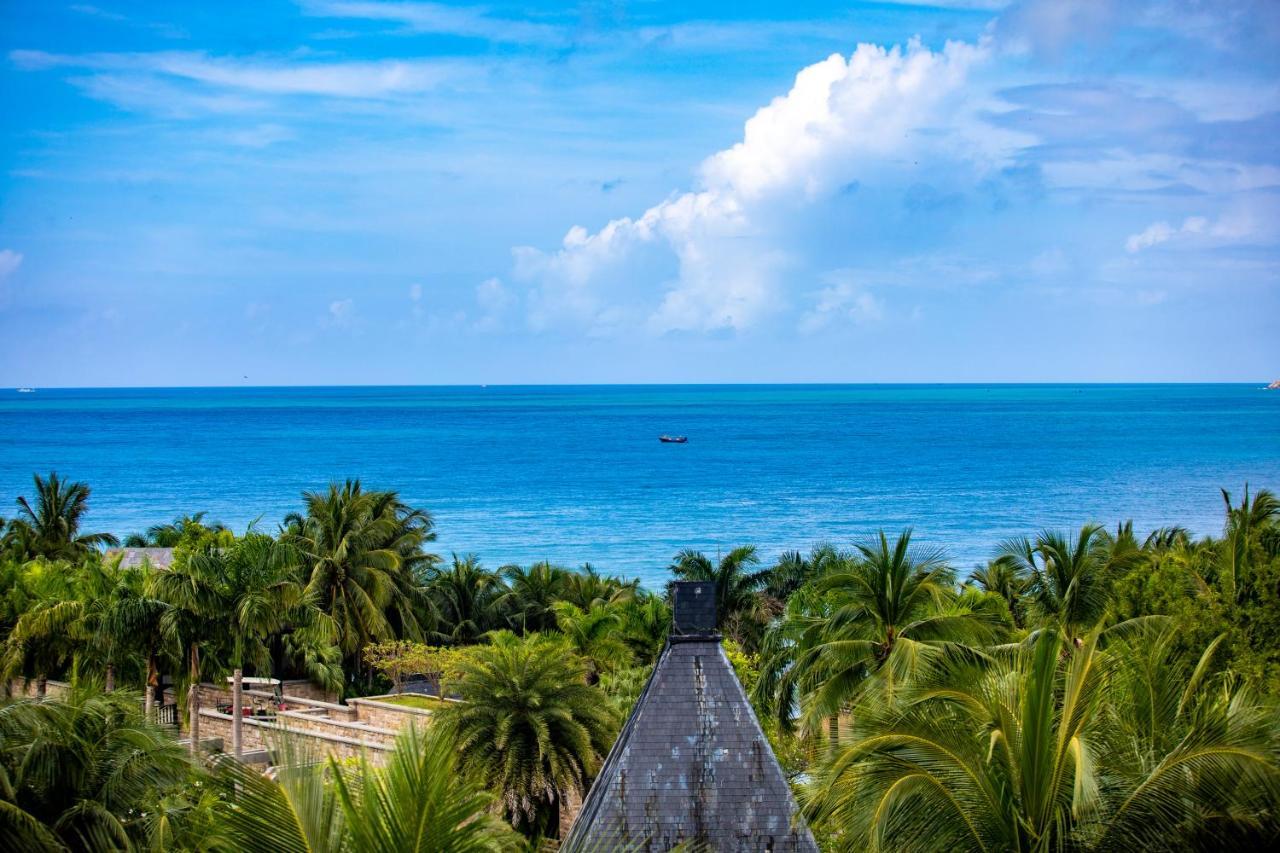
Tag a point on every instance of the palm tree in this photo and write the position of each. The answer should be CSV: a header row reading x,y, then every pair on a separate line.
x,y
81,772
194,613
877,619
1240,536
532,594
1007,578
257,580
740,608
1067,579
51,528
595,635
1031,749
587,587
185,528
529,727
361,550
646,624
467,599
41,642
417,802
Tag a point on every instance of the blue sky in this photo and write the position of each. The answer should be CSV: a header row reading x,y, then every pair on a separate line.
x,y
332,192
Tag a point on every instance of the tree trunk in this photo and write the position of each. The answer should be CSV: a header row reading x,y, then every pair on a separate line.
x,y
237,713
111,678
42,685
193,700
153,678
833,732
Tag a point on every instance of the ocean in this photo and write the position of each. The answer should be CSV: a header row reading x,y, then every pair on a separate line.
x,y
577,474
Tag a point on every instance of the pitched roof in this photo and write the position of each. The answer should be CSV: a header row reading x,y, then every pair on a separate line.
x,y
691,764
131,557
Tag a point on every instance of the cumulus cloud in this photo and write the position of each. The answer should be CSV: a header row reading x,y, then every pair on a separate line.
x,y
1245,222
721,251
843,300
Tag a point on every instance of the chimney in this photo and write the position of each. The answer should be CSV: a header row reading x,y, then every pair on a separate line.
x,y
693,605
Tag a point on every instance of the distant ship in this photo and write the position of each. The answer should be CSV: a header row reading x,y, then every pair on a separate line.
x,y
26,390
673,439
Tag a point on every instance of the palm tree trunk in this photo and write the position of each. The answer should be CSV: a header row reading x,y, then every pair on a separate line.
x,y
149,709
193,700
237,715
111,678
833,732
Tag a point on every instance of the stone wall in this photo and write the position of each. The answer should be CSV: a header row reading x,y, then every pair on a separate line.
x,y
263,734
385,715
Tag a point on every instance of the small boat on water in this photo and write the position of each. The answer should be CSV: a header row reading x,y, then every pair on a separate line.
x,y
673,439
26,390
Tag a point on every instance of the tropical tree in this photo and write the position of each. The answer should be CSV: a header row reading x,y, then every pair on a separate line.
x,y
532,593
257,581
467,598
528,726
82,773
588,587
194,615
1067,584
595,635
41,643
1128,748
418,801
1006,577
874,619
362,551
741,611
50,527
646,624
185,528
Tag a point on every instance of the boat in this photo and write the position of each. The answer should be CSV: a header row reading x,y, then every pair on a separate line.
x,y
673,439
26,390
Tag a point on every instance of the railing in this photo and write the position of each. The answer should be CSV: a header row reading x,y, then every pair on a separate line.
x,y
167,715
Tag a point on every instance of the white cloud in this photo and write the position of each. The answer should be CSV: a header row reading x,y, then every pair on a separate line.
x,y
415,292
845,301
9,261
341,312
353,79
493,297
722,250
442,19
1244,222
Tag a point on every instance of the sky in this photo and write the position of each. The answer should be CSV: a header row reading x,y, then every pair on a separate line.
x,y
330,192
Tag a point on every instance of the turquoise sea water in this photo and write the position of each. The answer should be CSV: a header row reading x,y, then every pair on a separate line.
x,y
576,474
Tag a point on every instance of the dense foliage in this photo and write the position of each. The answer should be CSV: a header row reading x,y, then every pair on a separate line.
x,y
1088,690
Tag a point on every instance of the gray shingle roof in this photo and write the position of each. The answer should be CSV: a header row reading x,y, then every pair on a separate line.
x,y
691,765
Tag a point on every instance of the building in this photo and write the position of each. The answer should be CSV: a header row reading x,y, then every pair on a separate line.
x,y
691,765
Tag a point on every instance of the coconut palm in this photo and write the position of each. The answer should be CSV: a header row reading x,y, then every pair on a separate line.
x,y
532,594
646,623
80,772
1007,578
185,528
1036,750
467,599
360,549
257,580
596,636
41,642
528,726
51,527
1067,577
587,587
740,608
874,619
416,802
193,616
